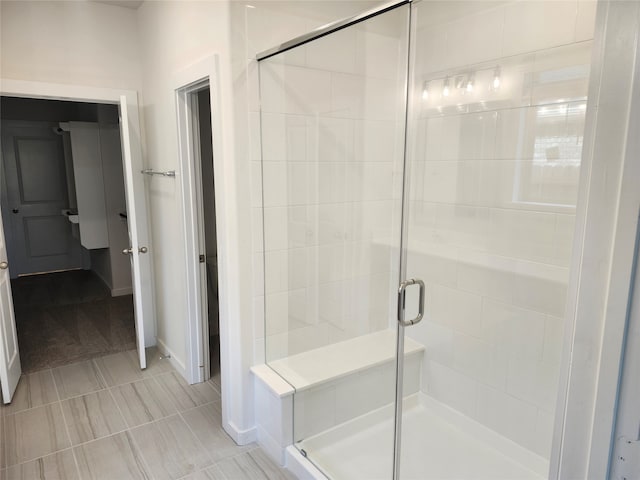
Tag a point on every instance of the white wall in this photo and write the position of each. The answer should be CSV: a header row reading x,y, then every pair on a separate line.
x,y
173,36
83,43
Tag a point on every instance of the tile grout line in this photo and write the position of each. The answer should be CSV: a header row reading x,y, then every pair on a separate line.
x,y
51,404
38,458
204,448
127,430
109,389
214,462
140,452
200,442
64,420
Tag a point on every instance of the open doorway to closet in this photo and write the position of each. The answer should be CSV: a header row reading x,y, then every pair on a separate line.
x,y
65,221
208,240
197,169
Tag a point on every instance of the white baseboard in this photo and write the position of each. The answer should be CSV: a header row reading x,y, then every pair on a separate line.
x,y
241,437
301,467
175,361
119,292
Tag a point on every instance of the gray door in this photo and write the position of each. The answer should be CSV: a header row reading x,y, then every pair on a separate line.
x,y
39,235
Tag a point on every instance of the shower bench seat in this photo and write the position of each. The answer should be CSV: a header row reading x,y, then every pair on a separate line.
x,y
331,362
342,381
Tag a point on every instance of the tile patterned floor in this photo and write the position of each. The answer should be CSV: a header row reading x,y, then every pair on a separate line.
x,y
105,419
66,317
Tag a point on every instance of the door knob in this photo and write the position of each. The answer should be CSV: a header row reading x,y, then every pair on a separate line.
x,y
15,210
4,265
143,249
127,251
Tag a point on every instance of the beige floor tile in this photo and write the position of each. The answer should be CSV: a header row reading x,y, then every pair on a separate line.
x,y
92,416
35,433
211,473
59,466
170,449
143,401
78,379
34,390
205,422
186,396
120,368
253,465
111,458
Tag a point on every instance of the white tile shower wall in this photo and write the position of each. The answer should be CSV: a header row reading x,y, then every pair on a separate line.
x,y
493,187
332,116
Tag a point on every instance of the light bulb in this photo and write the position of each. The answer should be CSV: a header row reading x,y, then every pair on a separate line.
x,y
445,89
470,81
495,85
425,91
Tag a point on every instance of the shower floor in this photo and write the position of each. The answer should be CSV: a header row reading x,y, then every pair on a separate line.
x,y
437,444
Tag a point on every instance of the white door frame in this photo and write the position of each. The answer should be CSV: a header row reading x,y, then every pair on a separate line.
x,y
80,93
197,363
192,78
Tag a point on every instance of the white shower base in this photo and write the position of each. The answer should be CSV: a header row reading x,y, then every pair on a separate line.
x,y
437,444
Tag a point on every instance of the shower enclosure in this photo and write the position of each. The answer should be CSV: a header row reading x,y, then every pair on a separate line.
x,y
420,167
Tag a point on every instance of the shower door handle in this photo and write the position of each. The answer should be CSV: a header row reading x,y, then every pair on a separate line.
x,y
402,295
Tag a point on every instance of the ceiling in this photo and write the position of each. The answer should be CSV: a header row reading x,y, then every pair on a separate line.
x,y
134,4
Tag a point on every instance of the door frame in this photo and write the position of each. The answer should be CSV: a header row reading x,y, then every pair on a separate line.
x,y
81,93
205,72
198,366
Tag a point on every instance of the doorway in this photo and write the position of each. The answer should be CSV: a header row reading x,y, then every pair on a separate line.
x,y
65,220
123,140
197,168
208,227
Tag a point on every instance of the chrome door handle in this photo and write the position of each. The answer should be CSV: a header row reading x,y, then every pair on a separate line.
x,y
4,265
401,301
129,251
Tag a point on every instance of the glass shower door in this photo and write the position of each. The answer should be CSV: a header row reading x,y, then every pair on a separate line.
x,y
498,94
333,114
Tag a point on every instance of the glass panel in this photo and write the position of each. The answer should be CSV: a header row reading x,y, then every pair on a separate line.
x,y
333,116
495,140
